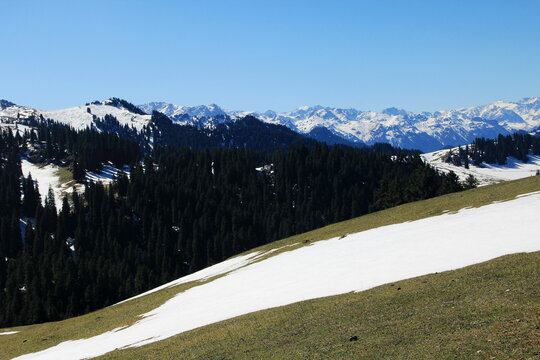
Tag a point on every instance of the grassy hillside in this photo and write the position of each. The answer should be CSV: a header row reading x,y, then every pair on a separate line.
x,y
485,311
317,322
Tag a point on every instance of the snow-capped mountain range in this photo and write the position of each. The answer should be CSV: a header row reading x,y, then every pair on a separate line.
x,y
425,131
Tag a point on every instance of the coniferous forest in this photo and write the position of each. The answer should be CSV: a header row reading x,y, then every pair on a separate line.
x,y
496,151
179,210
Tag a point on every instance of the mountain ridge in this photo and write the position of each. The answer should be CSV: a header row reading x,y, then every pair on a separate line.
x,y
427,131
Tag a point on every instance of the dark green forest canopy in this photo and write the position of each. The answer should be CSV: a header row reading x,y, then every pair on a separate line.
x,y
180,210
496,151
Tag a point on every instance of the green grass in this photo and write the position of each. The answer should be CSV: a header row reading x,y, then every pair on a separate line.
x,y
313,329
486,311
65,176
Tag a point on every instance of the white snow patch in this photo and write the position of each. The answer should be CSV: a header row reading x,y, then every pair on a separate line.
x,y
14,127
355,263
46,176
204,274
8,332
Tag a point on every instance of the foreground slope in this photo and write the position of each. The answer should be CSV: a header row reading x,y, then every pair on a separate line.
x,y
484,311
356,262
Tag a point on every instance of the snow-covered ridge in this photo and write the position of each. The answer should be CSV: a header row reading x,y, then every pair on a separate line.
x,y
79,117
336,266
485,174
425,131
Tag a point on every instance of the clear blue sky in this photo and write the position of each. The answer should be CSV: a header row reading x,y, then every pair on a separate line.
x,y
258,55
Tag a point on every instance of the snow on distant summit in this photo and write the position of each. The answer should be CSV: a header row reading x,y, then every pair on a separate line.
x,y
425,131
202,115
171,110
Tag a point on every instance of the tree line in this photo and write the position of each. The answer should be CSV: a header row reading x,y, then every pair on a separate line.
x,y
178,211
496,151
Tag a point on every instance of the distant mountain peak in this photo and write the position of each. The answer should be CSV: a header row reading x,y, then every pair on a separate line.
x,y
529,99
176,111
395,111
309,108
5,104
269,113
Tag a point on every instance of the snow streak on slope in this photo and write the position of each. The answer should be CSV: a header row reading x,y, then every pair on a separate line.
x,y
487,173
107,174
9,333
357,262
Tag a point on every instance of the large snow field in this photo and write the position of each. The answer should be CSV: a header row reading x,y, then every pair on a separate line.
x,y
489,173
356,262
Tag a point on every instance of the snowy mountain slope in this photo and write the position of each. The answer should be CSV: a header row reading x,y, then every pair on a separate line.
x,y
488,173
79,117
340,265
10,112
425,131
